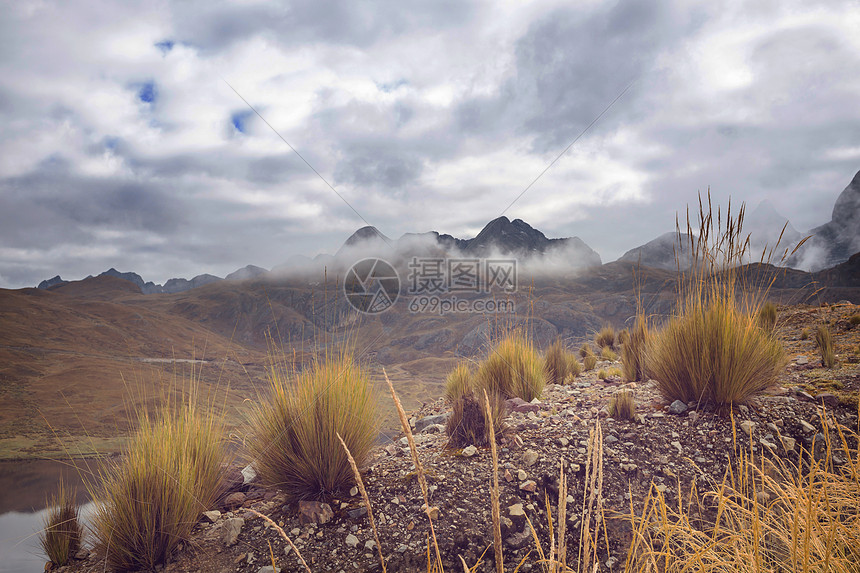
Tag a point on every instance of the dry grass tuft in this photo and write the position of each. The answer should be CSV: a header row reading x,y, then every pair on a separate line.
x,y
605,338
589,362
622,406
633,351
804,334
468,421
574,367
623,337
293,439
513,368
460,381
556,362
854,320
602,374
824,340
148,502
713,347
585,350
767,316
608,354
62,532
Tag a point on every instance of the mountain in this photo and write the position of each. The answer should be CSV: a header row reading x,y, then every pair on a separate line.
x,y
145,287
48,283
834,242
764,226
246,272
181,285
663,252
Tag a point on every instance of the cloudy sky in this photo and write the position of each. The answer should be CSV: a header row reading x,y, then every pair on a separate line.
x,y
123,145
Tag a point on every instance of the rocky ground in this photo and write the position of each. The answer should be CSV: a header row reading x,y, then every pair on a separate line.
x,y
667,445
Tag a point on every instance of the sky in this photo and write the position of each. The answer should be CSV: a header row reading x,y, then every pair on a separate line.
x,y
123,144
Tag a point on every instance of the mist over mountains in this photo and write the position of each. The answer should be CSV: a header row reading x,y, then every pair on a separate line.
x,y
772,237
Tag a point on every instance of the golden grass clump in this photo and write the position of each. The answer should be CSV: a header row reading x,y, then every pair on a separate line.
x,y
513,368
605,338
622,337
824,340
713,348
585,350
854,320
62,532
467,424
148,502
767,316
293,441
574,367
608,354
633,351
589,362
804,334
768,516
601,374
622,405
556,363
460,381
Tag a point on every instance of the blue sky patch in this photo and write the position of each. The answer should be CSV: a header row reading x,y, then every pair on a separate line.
x,y
147,92
165,46
239,120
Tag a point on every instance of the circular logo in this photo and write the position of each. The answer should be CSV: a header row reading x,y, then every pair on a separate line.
x,y
371,286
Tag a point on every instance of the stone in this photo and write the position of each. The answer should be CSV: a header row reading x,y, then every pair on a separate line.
x,y
789,443
769,445
249,475
392,450
563,442
508,477
610,439
434,429
522,475
530,457
748,426
370,544
516,510
268,569
232,529
829,400
469,451
801,360
677,444
351,540
677,407
658,415
629,468
807,427
212,516
357,512
517,404
438,419
234,500
529,486
353,491
314,512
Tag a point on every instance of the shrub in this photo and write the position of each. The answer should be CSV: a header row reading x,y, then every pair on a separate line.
x,y
293,432
804,334
854,320
62,532
555,360
574,366
601,374
459,382
512,368
605,338
467,423
148,502
824,340
608,354
589,362
633,352
767,316
623,337
622,406
712,348
585,350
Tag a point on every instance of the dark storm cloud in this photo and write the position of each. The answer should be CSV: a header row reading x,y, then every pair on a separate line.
x,y
214,26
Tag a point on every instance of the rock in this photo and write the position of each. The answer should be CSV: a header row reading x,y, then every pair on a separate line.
x,y
314,512
789,443
249,475
508,477
807,427
356,513
469,451
658,415
438,419
677,444
232,529
747,426
610,439
522,475
530,457
563,442
517,404
370,544
234,500
268,569
529,486
769,445
829,400
212,516
801,360
392,450
434,429
351,540
353,491
677,407
629,468
404,442
516,510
